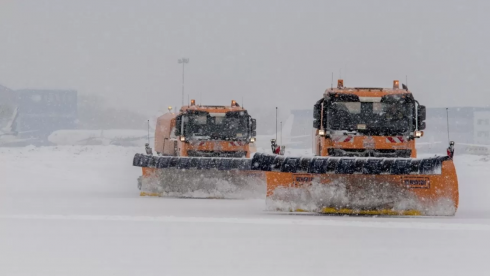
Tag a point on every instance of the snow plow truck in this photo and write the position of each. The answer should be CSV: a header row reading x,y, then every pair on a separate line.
x,y
201,131
365,160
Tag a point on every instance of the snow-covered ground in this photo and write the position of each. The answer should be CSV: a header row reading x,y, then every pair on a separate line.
x,y
75,210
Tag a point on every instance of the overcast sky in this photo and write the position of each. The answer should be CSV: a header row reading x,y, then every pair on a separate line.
x,y
271,53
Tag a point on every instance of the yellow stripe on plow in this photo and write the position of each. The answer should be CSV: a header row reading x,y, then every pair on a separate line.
x,y
150,194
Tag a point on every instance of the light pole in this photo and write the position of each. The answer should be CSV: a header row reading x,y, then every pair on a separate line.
x,y
276,123
183,61
281,133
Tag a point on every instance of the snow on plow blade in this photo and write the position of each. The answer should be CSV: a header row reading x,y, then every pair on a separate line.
x,y
199,177
384,186
366,186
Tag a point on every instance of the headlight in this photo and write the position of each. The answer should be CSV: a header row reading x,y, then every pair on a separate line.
x,y
252,140
182,138
321,132
419,133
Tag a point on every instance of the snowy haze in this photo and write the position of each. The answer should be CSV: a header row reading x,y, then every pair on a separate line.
x,y
282,52
75,210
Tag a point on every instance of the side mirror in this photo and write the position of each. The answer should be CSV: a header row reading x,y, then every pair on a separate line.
x,y
178,121
421,116
254,125
317,109
316,123
421,112
317,114
254,133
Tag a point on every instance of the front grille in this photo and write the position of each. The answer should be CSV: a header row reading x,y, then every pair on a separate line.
x,y
403,153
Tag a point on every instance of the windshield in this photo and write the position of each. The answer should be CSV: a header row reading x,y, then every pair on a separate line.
x,y
229,126
371,118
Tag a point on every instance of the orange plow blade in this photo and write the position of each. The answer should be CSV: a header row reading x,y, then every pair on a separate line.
x,y
340,185
199,177
365,186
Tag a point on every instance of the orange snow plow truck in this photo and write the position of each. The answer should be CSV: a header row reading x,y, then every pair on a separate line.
x,y
365,160
200,131
369,165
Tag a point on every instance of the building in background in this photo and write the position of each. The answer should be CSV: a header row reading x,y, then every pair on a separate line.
x,y
29,116
7,107
481,127
40,112
465,124
7,96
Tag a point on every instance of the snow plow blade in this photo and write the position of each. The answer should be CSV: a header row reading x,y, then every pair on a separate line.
x,y
338,185
199,177
361,186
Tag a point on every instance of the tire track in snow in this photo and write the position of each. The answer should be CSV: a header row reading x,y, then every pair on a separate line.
x,y
262,221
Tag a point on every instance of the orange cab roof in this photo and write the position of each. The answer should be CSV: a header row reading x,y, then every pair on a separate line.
x,y
211,108
367,91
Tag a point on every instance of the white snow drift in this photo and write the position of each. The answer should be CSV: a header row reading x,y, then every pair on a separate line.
x,y
75,210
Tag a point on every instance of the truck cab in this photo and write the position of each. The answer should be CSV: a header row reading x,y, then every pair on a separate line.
x,y
206,131
367,121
